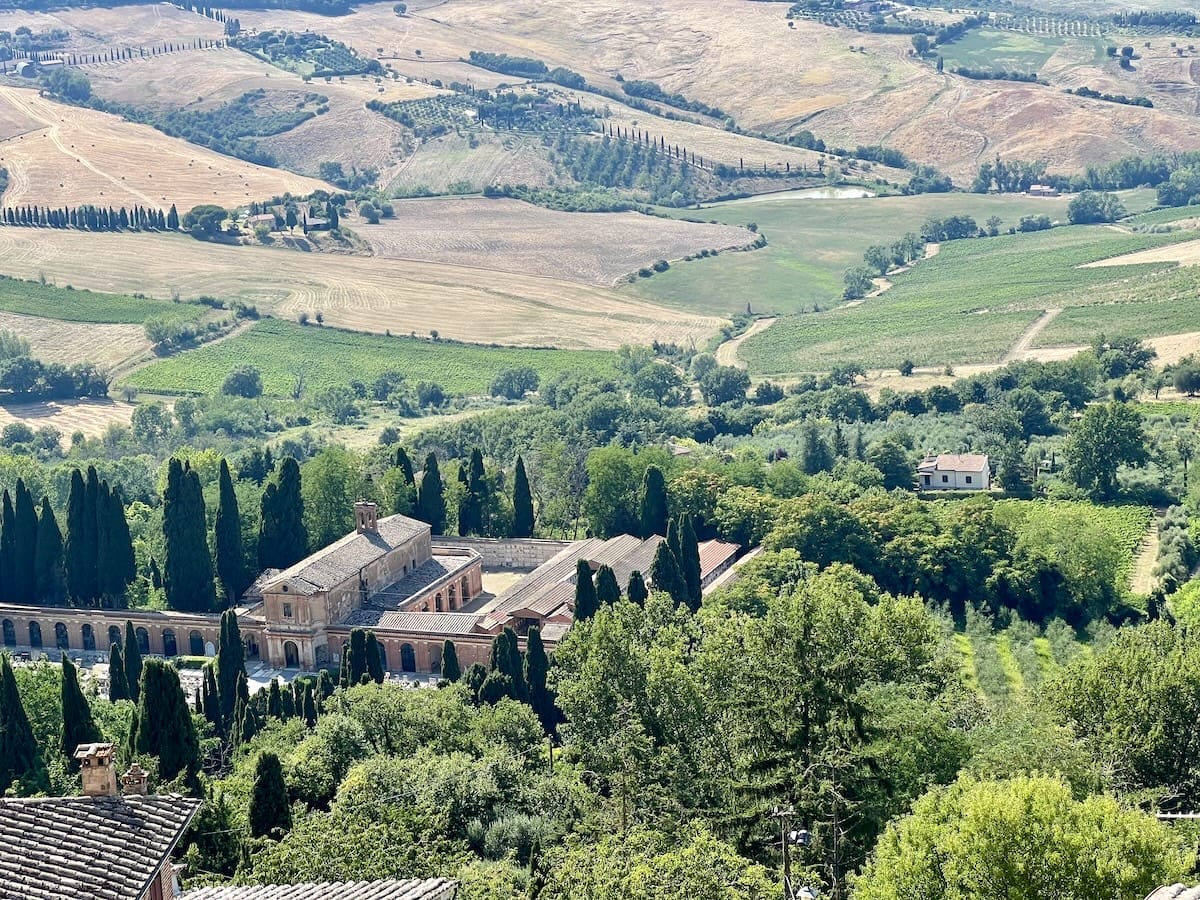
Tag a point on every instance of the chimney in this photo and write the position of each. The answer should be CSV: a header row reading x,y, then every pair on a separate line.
x,y
364,517
96,766
134,781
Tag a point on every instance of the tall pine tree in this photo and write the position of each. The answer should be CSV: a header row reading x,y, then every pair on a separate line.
x,y
78,725
282,536
451,670
187,566
654,513
607,589
431,497
374,658
506,659
636,590
231,664
522,503
211,699
586,603
115,566
227,529
8,551
404,464
80,558
49,572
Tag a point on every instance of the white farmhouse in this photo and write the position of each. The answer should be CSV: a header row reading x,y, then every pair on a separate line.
x,y
954,472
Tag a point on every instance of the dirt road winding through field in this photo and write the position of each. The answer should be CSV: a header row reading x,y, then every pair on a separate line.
x,y
727,353
1029,335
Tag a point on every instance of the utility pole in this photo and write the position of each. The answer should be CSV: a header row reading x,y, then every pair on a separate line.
x,y
788,838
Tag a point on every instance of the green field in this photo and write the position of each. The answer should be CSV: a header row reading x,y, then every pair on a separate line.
x,y
31,298
972,301
995,49
811,243
331,357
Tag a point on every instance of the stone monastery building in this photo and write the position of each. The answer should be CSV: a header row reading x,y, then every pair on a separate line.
x,y
390,575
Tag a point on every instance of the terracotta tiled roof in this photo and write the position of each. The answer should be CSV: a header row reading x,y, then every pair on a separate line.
x,y
714,554
439,623
343,559
88,848
955,462
425,889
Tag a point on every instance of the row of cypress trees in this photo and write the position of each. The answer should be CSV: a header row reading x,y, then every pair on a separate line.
x,y
98,554
430,495
94,218
509,673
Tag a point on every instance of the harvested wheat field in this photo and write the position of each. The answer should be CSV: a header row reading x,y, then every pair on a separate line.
x,y
80,156
97,29
1186,254
92,417
776,78
357,292
510,236
52,340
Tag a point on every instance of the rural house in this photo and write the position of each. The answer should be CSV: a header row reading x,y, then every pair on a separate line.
x,y
105,845
954,472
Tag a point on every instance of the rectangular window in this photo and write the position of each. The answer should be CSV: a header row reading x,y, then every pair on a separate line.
x,y
945,479
968,479
287,610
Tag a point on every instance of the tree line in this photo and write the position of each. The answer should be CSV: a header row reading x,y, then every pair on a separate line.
x,y
93,218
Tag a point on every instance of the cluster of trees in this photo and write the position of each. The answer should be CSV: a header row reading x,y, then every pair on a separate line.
x,y
648,90
1088,92
329,58
93,218
24,378
1165,19
997,75
1090,207
1011,177
517,66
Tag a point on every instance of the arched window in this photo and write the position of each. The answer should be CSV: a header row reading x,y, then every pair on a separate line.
x,y
143,640
89,638
114,635
408,658
169,646
452,596
196,643
10,633
291,655
437,603
35,635
61,640
466,589
383,660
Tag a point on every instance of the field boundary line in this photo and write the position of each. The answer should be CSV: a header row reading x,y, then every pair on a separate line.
x,y
1029,335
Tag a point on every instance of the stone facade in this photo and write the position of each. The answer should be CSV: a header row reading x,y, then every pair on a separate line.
x,y
523,554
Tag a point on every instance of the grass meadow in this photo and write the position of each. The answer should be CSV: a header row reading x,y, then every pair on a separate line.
x,y
329,357
31,298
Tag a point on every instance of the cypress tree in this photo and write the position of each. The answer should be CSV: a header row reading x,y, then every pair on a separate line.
x,y
666,575
212,699
24,578
165,728
133,662
91,537
282,536
20,759
522,503
636,591
78,725
228,540
115,566
287,707
268,528
654,502
506,659
274,700
187,567
374,659
310,707
8,552
607,589
451,670
473,678
689,561
541,698
173,218
231,664
118,683
431,499
586,603
356,661
49,573
270,814
673,539
404,464
496,686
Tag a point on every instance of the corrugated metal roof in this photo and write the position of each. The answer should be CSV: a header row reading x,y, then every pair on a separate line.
x,y
88,848
343,559
413,889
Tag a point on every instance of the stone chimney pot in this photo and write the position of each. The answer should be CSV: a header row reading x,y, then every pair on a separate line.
x,y
96,767
134,781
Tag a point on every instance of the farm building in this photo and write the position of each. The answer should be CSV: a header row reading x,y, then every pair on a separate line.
x,y
1042,190
954,472
25,69
267,219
